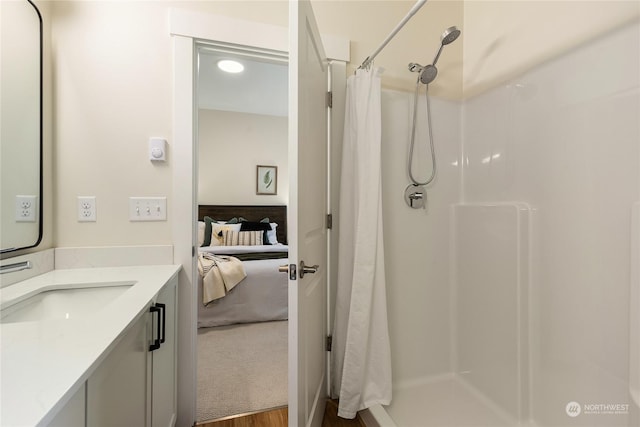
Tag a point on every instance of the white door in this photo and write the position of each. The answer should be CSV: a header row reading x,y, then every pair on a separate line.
x,y
306,217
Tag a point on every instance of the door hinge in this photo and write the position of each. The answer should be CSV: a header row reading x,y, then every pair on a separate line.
x,y
329,221
193,251
328,343
330,99
292,272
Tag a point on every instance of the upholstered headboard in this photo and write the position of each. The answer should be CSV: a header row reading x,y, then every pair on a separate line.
x,y
275,213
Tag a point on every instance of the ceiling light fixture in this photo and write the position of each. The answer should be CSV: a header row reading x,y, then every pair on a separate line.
x,y
230,66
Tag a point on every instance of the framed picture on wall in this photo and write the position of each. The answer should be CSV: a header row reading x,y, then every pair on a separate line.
x,y
267,180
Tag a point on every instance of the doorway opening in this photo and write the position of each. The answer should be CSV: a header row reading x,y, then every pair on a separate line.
x,y
242,196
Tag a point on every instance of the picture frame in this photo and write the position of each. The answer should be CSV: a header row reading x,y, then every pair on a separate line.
x,y
266,180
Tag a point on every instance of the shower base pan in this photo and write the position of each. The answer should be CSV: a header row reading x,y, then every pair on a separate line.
x,y
441,401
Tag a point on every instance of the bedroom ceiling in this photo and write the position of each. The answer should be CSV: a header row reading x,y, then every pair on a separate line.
x,y
262,88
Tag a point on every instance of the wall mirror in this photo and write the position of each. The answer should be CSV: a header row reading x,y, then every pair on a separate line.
x,y
20,125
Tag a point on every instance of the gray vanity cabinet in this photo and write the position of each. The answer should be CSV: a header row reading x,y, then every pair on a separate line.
x,y
136,383
117,392
164,407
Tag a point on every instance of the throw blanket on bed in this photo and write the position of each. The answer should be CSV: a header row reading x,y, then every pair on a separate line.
x,y
219,275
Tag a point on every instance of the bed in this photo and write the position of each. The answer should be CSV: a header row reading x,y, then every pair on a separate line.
x,y
263,294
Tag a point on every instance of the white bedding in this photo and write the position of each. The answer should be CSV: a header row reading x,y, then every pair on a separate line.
x,y
230,250
262,296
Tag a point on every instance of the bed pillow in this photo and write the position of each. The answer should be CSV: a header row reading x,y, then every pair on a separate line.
x,y
217,237
233,220
201,228
272,237
206,238
257,226
241,238
208,232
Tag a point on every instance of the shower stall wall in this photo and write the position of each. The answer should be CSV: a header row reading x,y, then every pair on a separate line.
x,y
514,299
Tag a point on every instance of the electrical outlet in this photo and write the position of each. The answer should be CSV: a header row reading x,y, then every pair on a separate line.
x,y
86,209
26,208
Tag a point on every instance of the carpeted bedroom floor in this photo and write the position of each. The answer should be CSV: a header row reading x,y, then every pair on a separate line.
x,y
241,368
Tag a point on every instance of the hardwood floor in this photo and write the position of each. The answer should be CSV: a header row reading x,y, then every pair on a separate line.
x,y
331,418
273,418
278,418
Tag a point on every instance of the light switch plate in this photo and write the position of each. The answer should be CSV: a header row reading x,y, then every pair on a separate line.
x,y
147,208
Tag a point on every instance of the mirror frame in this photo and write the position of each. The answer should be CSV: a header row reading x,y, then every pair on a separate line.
x,y
4,251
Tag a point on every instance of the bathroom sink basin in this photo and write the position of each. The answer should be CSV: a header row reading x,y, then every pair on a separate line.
x,y
63,303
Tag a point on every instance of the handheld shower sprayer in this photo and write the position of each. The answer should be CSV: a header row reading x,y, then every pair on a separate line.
x,y
428,73
415,194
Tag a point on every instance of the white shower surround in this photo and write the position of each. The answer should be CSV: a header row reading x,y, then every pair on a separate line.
x,y
546,166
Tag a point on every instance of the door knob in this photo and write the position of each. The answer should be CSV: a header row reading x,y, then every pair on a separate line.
x,y
291,269
307,269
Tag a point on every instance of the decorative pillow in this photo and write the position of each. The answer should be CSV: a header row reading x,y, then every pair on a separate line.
x,y
208,234
271,234
241,238
217,237
206,240
271,238
257,226
201,228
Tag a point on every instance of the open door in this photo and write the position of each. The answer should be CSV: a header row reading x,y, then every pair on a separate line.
x,y
307,218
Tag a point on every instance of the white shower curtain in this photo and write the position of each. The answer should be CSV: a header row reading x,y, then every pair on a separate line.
x,y
361,356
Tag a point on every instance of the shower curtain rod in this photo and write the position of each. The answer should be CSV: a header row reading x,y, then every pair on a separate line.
x,y
395,31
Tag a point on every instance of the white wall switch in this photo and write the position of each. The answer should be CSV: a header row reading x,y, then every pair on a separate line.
x,y
157,149
87,209
26,208
147,208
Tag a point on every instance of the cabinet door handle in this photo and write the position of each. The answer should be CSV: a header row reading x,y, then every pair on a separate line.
x,y
164,321
156,342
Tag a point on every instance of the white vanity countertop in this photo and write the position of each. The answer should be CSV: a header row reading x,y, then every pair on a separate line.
x,y
43,363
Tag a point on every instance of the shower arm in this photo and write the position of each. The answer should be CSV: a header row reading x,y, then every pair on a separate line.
x,y
437,55
369,59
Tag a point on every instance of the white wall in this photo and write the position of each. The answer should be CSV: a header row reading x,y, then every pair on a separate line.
x,y
112,85
367,23
112,82
417,241
231,145
112,91
504,39
564,138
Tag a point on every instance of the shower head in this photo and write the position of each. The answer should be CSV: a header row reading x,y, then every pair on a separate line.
x,y
449,35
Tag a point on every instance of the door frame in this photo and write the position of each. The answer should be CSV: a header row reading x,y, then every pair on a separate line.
x,y
186,28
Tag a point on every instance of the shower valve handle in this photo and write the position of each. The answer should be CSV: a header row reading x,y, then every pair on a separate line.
x,y
415,196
